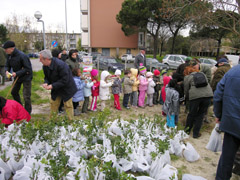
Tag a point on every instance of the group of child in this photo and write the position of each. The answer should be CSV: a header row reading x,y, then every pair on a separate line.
x,y
135,85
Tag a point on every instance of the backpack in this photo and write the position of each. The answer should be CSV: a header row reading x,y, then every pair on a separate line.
x,y
199,80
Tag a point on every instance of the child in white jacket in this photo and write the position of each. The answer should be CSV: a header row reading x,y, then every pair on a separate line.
x,y
150,90
105,84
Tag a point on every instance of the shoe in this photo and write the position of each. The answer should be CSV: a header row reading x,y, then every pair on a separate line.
x,y
76,112
94,110
199,135
127,107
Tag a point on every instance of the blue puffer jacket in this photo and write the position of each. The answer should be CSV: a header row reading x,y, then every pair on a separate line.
x,y
88,89
227,102
78,96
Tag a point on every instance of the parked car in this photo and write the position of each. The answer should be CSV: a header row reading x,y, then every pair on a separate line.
x,y
95,55
108,63
155,64
128,57
33,55
174,60
81,54
209,62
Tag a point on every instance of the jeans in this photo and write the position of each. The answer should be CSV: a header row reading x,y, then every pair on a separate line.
x,y
68,106
197,109
27,85
75,105
229,150
85,104
126,99
156,97
134,98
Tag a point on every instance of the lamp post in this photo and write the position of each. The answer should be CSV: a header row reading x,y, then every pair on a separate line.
x,y
38,16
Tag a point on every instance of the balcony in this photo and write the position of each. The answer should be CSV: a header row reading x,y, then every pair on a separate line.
x,y
84,20
85,42
84,6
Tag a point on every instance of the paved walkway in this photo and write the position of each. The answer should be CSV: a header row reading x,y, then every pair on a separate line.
x,y
36,65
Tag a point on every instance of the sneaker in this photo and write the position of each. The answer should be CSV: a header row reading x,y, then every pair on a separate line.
x,y
199,135
94,110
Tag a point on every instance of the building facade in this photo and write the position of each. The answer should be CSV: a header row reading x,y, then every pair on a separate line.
x,y
102,32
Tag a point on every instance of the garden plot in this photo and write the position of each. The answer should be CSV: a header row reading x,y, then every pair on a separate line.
x,y
93,149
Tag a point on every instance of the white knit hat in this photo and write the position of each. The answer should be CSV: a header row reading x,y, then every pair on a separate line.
x,y
149,74
118,72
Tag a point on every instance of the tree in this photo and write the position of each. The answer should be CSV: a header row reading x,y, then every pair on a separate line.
x,y
182,44
3,34
79,45
38,45
211,30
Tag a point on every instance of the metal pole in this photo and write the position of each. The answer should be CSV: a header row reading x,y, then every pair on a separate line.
x,y
44,42
66,24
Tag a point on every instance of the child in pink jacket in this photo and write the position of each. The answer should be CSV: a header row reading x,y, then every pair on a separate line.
x,y
142,86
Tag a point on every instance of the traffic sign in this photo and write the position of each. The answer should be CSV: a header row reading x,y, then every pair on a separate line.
x,y
54,43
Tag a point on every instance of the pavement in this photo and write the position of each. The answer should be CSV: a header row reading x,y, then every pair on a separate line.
x,y
36,66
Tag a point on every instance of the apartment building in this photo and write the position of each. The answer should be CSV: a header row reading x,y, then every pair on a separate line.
x,y
102,32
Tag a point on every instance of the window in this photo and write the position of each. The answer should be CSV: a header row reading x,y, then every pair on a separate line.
x,y
171,58
128,51
177,58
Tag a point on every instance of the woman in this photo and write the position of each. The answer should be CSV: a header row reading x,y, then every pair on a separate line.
x,y
199,99
11,111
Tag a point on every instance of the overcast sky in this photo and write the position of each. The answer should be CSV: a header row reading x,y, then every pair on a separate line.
x,y
53,13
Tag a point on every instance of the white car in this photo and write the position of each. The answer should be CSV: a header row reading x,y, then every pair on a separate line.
x,y
128,57
174,60
209,62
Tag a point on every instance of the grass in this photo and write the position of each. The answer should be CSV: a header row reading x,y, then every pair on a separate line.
x,y
182,170
38,79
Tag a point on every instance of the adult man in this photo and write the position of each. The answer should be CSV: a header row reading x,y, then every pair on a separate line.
x,y
72,61
226,102
140,59
64,55
223,67
22,73
58,78
2,64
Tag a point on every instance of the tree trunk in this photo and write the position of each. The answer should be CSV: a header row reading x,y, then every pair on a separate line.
x,y
161,49
218,48
155,45
174,39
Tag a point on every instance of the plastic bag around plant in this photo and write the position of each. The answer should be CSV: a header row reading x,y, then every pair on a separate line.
x,y
144,178
192,177
14,165
125,164
215,140
190,154
23,174
2,174
176,146
6,169
159,163
168,172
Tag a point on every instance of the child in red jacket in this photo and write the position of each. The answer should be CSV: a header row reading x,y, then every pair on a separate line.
x,y
95,89
11,111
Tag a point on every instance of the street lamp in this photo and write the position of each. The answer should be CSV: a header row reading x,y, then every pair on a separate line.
x,y
38,16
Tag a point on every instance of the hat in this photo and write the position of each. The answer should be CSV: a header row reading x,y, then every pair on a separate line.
x,y
118,72
222,60
193,62
94,72
142,69
143,49
164,71
8,44
188,59
156,72
149,74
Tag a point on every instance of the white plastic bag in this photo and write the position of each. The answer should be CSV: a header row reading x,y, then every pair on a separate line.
x,y
191,177
2,174
6,168
190,154
168,172
144,178
215,141
23,174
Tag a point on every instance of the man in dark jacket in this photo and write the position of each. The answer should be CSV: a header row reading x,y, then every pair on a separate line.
x,y
140,59
226,102
64,55
22,73
58,78
2,64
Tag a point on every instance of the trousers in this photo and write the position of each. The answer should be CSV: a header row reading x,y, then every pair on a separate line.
x,y
116,101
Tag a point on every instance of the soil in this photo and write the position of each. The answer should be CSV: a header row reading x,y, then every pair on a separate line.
x,y
206,166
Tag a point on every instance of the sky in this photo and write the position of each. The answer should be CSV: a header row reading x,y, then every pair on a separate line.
x,y
53,13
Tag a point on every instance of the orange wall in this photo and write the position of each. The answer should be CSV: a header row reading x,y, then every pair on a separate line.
x,y
105,31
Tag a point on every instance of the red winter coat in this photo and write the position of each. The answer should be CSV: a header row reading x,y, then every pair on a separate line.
x,y
95,89
13,111
166,80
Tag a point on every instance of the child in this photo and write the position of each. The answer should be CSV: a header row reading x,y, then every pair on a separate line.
x,y
134,94
142,86
171,105
150,89
166,80
157,88
87,89
105,84
78,96
127,88
117,89
95,89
